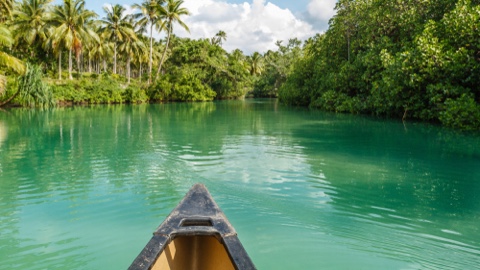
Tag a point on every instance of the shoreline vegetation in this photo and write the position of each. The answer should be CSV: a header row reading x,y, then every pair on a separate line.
x,y
401,59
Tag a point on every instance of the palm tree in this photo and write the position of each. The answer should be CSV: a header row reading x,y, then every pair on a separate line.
x,y
117,27
100,52
150,15
141,58
131,47
6,60
71,28
30,22
237,55
55,47
142,54
256,64
5,9
172,15
221,35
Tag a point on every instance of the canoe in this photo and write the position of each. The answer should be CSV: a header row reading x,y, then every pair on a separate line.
x,y
196,235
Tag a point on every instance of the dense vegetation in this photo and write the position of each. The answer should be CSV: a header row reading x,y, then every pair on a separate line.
x,y
407,59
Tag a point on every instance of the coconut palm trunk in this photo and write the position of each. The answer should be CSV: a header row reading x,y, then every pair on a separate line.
x,y
164,52
79,64
150,59
60,65
150,15
172,14
115,57
70,64
128,68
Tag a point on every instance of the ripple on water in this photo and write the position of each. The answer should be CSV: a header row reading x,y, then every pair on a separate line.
x,y
202,162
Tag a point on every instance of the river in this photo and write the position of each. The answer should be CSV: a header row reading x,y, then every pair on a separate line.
x,y
84,187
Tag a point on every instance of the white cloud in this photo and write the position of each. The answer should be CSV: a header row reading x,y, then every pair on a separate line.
x,y
321,10
217,12
128,9
250,27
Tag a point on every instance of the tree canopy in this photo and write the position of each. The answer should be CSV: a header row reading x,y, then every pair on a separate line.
x,y
404,59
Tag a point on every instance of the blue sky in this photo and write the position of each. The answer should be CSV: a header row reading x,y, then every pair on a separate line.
x,y
251,25
294,5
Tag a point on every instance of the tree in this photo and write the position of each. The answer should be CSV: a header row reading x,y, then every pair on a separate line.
x,y
217,39
172,15
132,47
6,60
5,9
100,52
197,70
71,28
30,22
150,15
277,66
142,56
117,28
222,36
256,63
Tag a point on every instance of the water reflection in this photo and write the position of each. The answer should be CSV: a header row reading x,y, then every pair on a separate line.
x,y
3,133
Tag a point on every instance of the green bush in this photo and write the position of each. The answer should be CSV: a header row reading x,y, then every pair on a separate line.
x,y
33,91
182,84
103,91
462,113
29,89
135,94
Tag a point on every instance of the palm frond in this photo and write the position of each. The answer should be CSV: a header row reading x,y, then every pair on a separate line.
x,y
5,37
11,62
3,84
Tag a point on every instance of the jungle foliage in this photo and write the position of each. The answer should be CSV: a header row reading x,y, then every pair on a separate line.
x,y
98,89
198,70
403,58
88,59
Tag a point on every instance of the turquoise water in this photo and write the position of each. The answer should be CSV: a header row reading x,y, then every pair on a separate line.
x,y
84,187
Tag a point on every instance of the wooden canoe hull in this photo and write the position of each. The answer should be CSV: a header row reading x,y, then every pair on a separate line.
x,y
196,235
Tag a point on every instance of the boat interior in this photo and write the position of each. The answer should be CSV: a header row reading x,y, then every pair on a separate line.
x,y
194,253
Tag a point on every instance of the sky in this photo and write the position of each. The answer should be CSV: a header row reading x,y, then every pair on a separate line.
x,y
250,25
